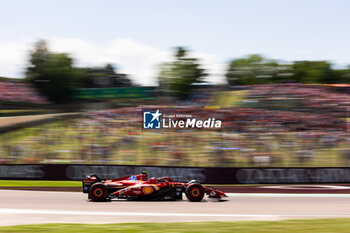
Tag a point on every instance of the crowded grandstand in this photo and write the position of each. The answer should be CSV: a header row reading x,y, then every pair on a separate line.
x,y
271,125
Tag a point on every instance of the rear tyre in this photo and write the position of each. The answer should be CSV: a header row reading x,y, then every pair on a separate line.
x,y
194,192
98,192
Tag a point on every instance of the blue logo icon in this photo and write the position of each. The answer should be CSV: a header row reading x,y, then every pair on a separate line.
x,y
132,178
151,120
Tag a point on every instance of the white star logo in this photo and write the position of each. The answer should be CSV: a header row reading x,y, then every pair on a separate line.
x,y
156,115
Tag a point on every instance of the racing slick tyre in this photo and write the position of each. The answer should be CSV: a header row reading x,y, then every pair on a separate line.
x,y
194,192
98,192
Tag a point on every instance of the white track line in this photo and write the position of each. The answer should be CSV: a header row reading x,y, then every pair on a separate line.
x,y
302,187
64,212
286,195
228,194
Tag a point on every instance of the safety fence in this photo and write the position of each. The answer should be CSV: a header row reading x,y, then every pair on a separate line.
x,y
208,175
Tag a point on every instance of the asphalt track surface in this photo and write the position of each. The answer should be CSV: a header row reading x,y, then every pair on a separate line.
x,y
35,207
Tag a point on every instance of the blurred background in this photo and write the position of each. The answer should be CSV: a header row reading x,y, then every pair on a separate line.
x,y
279,82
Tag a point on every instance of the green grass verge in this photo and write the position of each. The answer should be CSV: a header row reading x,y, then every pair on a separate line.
x,y
20,110
319,225
39,183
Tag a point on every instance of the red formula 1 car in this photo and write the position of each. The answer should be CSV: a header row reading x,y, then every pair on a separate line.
x,y
139,187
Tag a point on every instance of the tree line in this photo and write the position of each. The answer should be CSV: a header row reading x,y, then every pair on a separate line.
x,y
55,76
256,69
180,75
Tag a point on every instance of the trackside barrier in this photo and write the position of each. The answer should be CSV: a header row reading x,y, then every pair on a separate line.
x,y
208,175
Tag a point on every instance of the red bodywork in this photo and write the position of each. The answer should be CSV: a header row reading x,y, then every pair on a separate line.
x,y
142,188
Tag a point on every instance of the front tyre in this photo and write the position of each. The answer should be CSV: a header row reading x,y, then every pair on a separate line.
x,y
98,192
194,192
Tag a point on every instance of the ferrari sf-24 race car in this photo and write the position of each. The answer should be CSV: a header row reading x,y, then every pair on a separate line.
x,y
139,187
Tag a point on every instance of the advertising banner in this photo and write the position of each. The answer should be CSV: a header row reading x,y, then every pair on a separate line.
x,y
207,175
